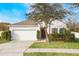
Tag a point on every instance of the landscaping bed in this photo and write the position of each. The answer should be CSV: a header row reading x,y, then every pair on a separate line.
x,y
55,44
49,54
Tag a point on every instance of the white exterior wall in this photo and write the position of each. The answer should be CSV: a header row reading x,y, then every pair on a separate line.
x,y
56,24
24,33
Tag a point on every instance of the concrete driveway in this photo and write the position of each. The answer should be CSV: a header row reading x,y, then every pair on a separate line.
x,y
14,48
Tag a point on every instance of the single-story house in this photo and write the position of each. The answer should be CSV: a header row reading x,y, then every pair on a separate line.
x,y
27,30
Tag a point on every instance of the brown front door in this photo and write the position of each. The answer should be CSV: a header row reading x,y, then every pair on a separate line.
x,y
43,33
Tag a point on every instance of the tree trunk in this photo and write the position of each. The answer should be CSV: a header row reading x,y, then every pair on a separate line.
x,y
46,34
49,28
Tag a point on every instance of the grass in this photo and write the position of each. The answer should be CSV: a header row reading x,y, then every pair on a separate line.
x,y
49,54
55,44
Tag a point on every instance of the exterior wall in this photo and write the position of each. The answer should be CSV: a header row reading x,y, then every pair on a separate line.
x,y
24,33
56,24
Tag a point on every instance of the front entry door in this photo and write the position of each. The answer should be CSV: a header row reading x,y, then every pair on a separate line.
x,y
43,33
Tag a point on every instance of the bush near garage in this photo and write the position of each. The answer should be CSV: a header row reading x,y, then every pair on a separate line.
x,y
6,35
38,34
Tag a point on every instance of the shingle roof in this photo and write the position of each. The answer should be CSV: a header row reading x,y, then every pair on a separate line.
x,y
26,22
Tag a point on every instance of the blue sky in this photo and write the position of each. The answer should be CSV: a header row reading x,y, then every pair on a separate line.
x,y
15,12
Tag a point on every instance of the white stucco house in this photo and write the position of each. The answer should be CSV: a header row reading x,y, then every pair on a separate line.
x,y
27,30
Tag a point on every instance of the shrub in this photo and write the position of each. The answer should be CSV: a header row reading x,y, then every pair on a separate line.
x,y
77,40
53,37
6,35
9,35
72,37
50,37
64,35
67,35
38,34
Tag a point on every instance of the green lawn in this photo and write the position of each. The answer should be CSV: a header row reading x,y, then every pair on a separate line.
x,y
55,44
49,54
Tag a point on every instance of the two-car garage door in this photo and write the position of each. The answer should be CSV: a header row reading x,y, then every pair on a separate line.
x,y
24,34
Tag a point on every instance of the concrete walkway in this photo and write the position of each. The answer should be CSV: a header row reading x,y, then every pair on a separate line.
x,y
57,50
14,48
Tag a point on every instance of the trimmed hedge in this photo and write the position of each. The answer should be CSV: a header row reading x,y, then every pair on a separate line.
x,y
6,35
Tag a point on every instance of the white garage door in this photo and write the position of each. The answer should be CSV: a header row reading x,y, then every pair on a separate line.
x,y
24,34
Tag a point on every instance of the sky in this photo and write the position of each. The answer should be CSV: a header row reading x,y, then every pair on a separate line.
x,y
15,12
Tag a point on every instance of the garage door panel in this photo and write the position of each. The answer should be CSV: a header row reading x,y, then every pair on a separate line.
x,y
24,34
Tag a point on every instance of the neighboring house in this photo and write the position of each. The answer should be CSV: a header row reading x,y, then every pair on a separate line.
x,y
27,30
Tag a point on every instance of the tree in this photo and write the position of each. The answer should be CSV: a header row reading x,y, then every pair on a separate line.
x,y
72,24
74,5
47,12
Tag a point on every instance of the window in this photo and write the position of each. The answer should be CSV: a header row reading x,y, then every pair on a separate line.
x,y
54,30
62,30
